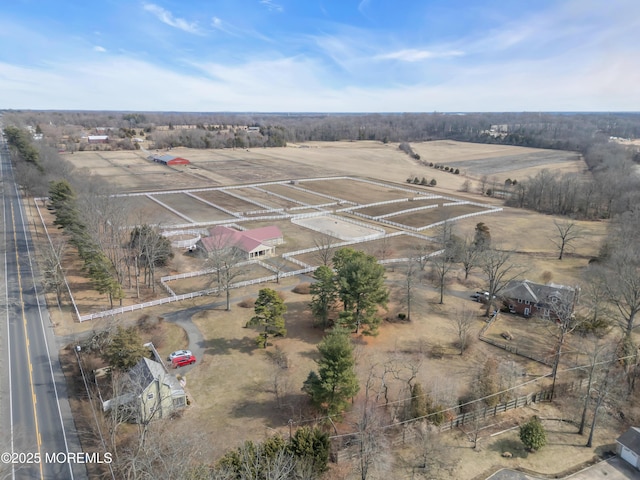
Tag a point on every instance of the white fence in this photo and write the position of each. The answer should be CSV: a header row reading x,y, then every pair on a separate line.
x,y
164,205
240,197
455,219
375,204
277,195
401,212
187,296
190,242
222,209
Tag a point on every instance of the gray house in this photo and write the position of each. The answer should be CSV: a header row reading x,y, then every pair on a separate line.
x,y
628,447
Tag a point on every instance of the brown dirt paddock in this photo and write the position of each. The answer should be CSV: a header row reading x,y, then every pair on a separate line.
x,y
224,200
402,246
354,191
255,195
290,192
425,217
398,207
193,208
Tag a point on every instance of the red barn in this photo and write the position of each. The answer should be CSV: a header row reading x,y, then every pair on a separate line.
x,y
170,160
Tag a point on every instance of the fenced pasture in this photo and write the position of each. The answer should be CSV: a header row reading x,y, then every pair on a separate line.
x,y
224,200
425,217
298,194
302,224
338,227
194,208
354,191
203,282
263,199
151,212
397,207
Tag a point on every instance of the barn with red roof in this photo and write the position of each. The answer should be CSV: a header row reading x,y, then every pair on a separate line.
x,y
170,160
256,243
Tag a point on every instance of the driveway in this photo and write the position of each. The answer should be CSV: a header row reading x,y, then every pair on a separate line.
x,y
613,469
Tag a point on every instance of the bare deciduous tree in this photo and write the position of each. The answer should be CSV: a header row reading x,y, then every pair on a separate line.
x,y
461,323
226,262
567,232
498,267
326,248
53,274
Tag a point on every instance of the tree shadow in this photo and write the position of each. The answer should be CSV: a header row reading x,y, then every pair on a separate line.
x,y
275,412
514,447
217,346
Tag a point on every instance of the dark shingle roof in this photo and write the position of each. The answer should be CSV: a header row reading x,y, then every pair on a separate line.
x,y
631,439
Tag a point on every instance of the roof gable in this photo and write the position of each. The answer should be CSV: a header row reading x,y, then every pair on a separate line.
x,y
538,293
248,241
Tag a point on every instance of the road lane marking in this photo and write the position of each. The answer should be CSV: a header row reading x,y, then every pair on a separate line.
x,y
26,336
46,343
6,294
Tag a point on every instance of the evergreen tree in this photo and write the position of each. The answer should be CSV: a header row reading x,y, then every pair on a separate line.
x,y
533,434
124,349
336,381
311,446
325,294
420,402
482,238
361,289
269,310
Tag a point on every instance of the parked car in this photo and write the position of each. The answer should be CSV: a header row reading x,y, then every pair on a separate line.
x,y
183,361
179,353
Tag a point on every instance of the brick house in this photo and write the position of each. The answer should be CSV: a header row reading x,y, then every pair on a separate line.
x,y
528,299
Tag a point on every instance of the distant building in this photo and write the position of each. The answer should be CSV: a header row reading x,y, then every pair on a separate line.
x,y
169,160
256,243
95,139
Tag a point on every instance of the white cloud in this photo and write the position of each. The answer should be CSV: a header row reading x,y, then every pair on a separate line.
x,y
100,49
272,6
414,55
168,18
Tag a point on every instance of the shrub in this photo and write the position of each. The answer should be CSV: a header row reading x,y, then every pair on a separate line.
x,y
302,288
423,181
436,415
533,435
457,171
433,182
489,192
402,316
446,169
416,180
437,351
247,303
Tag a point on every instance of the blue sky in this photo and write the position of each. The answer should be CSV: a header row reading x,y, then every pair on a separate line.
x,y
321,55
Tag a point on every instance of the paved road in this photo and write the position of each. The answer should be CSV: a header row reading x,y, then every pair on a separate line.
x,y
35,412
